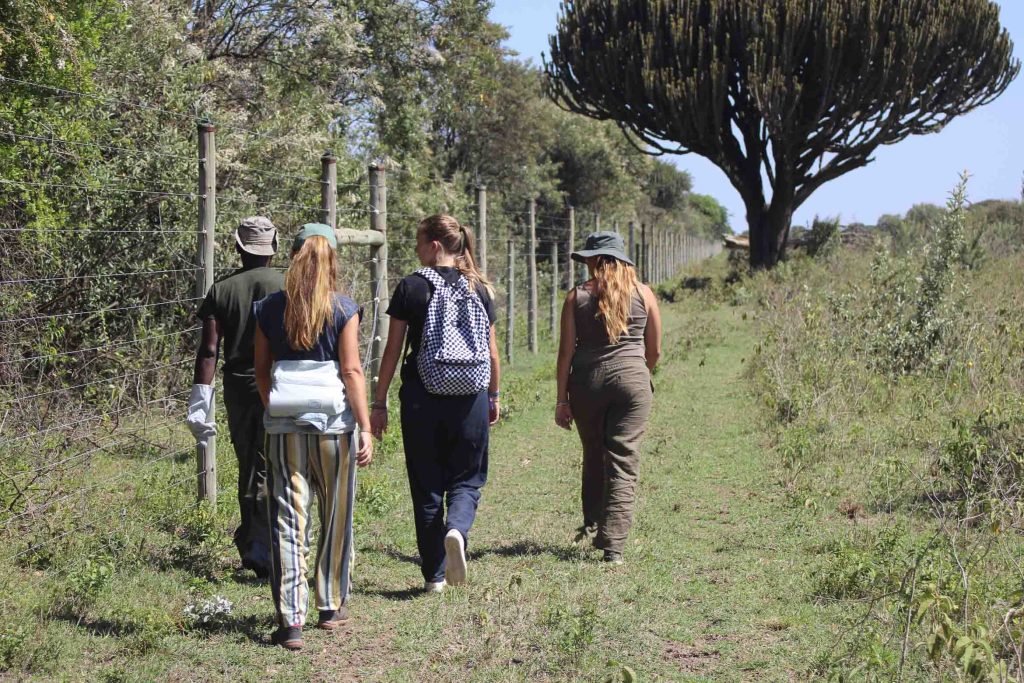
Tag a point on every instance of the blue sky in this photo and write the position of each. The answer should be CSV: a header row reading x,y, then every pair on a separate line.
x,y
988,142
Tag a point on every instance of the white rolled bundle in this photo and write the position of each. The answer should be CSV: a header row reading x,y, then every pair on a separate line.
x,y
300,387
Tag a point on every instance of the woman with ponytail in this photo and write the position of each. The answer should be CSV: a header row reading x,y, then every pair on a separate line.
x,y
314,395
446,410
610,342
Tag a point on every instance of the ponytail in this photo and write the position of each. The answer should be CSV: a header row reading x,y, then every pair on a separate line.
x,y
457,240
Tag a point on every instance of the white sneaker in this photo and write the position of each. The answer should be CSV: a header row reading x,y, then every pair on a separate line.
x,y
433,586
455,549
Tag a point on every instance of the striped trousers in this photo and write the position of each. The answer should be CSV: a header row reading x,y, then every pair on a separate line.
x,y
299,466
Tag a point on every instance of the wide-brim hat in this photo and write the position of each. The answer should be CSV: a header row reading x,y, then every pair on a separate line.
x,y
256,235
603,244
315,230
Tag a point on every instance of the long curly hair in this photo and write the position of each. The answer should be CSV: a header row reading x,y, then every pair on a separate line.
x,y
614,284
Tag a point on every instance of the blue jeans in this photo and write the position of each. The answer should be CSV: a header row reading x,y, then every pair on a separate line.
x,y
445,439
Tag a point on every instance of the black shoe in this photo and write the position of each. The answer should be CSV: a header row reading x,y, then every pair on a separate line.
x,y
288,637
613,557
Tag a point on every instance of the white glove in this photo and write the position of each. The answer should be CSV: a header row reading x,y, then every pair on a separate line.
x,y
200,418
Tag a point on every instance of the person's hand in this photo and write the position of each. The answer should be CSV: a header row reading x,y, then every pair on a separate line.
x,y
563,416
365,453
494,410
378,422
200,418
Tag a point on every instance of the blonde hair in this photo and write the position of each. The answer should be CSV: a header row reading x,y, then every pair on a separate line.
x,y
614,284
457,240
310,286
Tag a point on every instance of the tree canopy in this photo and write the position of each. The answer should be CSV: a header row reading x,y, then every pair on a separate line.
x,y
782,95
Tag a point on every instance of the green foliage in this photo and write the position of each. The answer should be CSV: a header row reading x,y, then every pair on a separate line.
x,y
983,461
895,378
200,542
822,239
573,630
87,578
12,639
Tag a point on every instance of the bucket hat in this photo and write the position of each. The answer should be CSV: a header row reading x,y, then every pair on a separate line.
x,y
257,235
315,230
603,244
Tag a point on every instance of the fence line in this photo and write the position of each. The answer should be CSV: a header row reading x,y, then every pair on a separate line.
x,y
534,248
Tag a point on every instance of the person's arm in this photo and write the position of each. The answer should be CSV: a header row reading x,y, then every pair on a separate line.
x,y
355,385
493,389
388,364
652,333
262,360
566,348
199,415
206,354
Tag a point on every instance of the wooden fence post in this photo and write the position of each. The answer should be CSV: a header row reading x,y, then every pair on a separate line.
x,y
571,246
554,289
531,264
481,228
643,253
329,189
206,457
378,270
510,304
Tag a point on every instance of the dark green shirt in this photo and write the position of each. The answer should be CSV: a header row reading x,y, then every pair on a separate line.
x,y
230,302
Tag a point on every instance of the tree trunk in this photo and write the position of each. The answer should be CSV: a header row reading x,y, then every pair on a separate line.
x,y
769,234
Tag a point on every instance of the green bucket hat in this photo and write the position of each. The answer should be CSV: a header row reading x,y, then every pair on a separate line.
x,y
315,230
603,244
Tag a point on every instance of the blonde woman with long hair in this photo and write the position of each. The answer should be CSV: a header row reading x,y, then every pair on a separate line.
x,y
610,343
311,383
445,425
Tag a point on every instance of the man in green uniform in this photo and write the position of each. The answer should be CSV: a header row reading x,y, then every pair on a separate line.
x,y
226,315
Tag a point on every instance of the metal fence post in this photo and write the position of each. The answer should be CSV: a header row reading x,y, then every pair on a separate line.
x,y
531,264
206,457
378,270
329,189
510,304
481,228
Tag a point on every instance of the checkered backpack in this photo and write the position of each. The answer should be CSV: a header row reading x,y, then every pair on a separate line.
x,y
454,357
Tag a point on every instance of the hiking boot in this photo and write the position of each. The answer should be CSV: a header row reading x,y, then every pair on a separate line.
x,y
434,586
288,637
455,549
613,558
331,619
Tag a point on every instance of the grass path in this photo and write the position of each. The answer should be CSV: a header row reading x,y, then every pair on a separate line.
x,y
715,585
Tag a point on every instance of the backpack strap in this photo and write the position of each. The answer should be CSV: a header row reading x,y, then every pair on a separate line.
x,y
431,276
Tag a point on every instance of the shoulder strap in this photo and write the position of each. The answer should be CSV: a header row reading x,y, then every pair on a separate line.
x,y
431,276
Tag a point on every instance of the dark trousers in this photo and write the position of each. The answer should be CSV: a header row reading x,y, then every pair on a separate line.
x,y
245,422
445,439
611,403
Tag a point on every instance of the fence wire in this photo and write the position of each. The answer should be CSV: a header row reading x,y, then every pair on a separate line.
x,y
97,319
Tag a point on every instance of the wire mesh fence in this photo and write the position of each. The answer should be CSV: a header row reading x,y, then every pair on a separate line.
x,y
97,318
